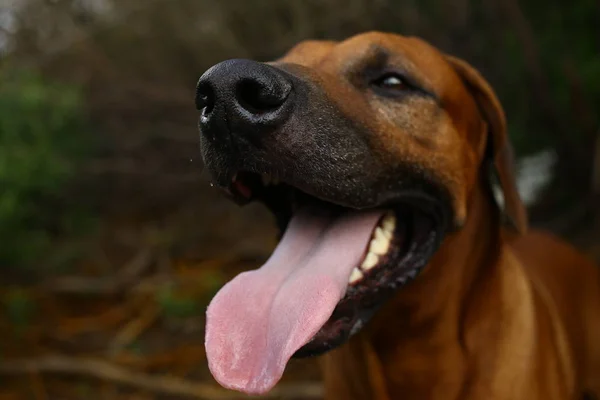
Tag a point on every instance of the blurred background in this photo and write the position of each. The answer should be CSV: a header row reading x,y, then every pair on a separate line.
x,y
112,241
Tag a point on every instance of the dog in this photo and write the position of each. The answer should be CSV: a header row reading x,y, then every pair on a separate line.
x,y
399,261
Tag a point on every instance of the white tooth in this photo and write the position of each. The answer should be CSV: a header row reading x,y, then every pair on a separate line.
x,y
355,276
370,261
266,179
381,234
389,222
379,247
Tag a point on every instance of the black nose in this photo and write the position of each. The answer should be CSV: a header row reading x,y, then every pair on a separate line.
x,y
242,96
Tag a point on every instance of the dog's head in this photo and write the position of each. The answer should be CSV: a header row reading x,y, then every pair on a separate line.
x,y
367,152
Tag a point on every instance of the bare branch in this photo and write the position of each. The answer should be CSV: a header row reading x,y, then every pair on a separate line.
x,y
133,329
108,285
167,385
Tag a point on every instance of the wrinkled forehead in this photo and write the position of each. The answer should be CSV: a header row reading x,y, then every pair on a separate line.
x,y
375,50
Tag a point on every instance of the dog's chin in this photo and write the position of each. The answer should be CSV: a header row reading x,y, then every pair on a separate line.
x,y
408,234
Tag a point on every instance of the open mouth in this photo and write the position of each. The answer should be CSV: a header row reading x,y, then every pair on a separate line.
x,y
399,246
332,269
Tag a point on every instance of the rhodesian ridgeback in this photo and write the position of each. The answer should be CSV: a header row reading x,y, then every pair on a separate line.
x,y
399,262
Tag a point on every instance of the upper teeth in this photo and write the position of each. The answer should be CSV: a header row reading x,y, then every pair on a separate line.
x,y
379,245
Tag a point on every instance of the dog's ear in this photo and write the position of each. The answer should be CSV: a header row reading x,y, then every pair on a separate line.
x,y
499,154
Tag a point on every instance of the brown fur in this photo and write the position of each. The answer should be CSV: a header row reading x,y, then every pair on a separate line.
x,y
499,312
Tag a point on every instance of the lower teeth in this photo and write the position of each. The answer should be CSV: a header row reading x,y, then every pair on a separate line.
x,y
378,246
355,276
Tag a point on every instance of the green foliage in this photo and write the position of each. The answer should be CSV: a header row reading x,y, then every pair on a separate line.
x,y
19,308
176,304
568,55
41,143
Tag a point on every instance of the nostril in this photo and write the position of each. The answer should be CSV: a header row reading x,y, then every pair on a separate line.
x,y
258,97
205,98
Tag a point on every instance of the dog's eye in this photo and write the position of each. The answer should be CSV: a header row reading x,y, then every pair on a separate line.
x,y
390,82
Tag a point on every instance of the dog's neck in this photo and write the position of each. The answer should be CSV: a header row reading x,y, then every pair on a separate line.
x,y
420,330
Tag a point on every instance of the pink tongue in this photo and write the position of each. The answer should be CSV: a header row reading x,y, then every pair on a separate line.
x,y
258,320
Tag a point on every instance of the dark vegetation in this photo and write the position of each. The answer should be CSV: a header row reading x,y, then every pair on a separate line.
x,y
111,240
